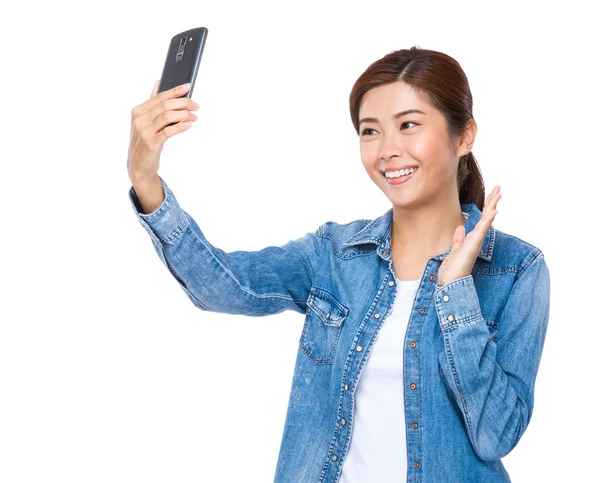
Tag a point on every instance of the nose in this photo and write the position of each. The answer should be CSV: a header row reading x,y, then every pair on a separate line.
x,y
390,146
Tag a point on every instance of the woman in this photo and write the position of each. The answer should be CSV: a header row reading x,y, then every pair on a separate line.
x,y
423,328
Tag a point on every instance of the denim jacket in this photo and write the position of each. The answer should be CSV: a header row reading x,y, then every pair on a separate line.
x,y
471,351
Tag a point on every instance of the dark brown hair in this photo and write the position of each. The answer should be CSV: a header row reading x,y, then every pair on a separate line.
x,y
442,81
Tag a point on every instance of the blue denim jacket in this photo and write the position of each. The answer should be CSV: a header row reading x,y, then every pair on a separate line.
x,y
471,352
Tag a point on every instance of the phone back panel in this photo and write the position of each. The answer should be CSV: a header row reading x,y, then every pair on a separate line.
x,y
183,59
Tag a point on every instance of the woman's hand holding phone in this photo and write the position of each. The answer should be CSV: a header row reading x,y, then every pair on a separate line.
x,y
162,116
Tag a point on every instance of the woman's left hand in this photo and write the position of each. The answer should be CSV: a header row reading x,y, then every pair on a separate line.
x,y
463,254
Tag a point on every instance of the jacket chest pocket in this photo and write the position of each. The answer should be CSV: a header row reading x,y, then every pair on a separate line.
x,y
322,325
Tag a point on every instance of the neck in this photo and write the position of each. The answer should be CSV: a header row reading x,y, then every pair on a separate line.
x,y
427,230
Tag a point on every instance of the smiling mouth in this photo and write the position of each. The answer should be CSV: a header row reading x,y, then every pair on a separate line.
x,y
401,176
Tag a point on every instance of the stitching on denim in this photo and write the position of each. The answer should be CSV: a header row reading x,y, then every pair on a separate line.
x,y
341,309
461,321
533,247
178,231
363,360
159,245
535,255
496,271
319,235
348,254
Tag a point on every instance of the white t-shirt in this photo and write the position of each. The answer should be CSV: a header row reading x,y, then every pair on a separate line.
x,y
377,450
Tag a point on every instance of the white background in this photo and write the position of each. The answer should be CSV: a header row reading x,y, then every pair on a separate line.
x,y
107,370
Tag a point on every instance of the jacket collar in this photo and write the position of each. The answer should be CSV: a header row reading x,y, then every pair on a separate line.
x,y
379,232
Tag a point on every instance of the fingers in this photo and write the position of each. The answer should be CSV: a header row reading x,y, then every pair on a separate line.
x,y
170,111
170,117
174,93
493,197
156,133
173,129
156,98
139,114
171,105
165,109
488,214
168,122
172,99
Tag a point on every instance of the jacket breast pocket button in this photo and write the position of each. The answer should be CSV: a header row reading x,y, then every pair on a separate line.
x,y
492,328
325,316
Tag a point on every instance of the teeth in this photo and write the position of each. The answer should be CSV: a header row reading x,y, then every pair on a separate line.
x,y
402,172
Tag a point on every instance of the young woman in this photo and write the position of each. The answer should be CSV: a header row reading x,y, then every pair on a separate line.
x,y
423,328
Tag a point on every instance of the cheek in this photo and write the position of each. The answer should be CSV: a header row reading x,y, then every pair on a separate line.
x,y
431,152
429,148
370,165
365,154
368,158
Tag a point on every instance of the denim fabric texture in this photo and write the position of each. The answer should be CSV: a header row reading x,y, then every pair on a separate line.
x,y
471,352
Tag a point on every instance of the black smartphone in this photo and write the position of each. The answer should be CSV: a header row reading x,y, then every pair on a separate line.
x,y
183,60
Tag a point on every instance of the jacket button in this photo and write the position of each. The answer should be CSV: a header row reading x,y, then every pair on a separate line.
x,y
413,386
415,425
413,344
421,310
451,317
446,298
343,421
358,348
432,277
346,387
416,464
328,315
391,283
385,253
334,457
377,316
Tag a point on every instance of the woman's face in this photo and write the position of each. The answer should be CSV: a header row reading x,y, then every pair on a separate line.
x,y
417,139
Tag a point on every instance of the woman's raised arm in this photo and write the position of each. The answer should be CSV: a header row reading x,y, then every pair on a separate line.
x,y
254,283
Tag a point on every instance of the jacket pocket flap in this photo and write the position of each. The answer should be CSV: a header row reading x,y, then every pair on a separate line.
x,y
327,307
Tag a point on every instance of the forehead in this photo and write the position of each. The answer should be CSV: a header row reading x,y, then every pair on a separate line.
x,y
392,98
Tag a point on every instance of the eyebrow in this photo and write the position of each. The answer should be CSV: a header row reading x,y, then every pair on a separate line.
x,y
396,116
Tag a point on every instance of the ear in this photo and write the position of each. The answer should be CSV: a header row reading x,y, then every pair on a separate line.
x,y
467,138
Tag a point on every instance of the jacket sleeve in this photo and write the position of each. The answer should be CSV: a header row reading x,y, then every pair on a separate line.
x,y
253,283
493,379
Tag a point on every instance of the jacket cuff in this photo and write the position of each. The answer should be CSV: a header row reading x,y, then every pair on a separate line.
x,y
457,303
167,222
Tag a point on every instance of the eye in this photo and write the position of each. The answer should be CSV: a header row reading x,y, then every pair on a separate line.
x,y
364,131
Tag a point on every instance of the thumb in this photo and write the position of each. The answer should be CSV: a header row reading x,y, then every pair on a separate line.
x,y
155,88
458,237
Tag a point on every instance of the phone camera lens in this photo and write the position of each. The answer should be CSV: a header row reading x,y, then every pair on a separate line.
x,y
182,41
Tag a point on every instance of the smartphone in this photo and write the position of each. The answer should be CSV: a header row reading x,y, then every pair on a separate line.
x,y
183,60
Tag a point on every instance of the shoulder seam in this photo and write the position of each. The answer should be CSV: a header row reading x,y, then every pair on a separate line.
x,y
533,257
